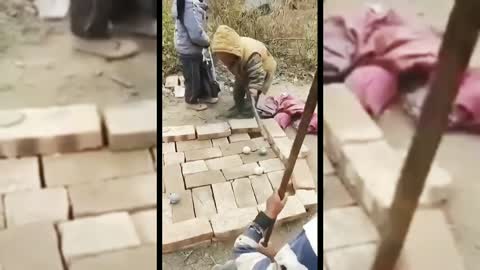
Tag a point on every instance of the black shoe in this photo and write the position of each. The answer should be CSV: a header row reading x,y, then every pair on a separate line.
x,y
246,113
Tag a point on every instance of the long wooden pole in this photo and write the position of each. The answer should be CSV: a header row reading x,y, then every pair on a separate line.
x,y
310,106
455,53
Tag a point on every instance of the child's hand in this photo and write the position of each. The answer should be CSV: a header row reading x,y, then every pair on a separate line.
x,y
275,205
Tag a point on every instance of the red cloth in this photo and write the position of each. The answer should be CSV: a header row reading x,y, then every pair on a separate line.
x,y
286,109
370,52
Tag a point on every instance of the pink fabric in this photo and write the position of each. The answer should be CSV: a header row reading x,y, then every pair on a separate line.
x,y
374,49
374,86
286,109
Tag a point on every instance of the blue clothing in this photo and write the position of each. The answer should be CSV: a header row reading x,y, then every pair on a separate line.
x,y
191,36
300,254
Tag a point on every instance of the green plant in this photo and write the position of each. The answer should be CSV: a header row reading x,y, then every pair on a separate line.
x,y
169,58
290,35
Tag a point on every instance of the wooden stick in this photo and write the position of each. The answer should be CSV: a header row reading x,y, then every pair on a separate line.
x,y
310,106
456,50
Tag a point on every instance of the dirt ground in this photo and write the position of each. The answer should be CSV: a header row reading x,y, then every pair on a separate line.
x,y
41,69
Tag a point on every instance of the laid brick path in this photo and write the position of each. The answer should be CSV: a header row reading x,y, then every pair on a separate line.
x,y
220,187
69,199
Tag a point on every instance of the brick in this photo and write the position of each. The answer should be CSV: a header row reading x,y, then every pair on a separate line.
x,y
240,171
302,177
183,210
340,234
167,217
230,224
345,121
194,167
238,137
26,207
33,246
111,232
273,129
87,167
272,165
335,194
224,197
172,81
293,209
19,174
224,162
309,198
220,141
260,142
276,179
430,231
261,187
237,148
136,193
244,125
327,166
193,145
178,133
203,202
168,147
374,180
244,196
345,118
63,129
174,158
172,175
256,157
213,131
204,178
144,258
131,125
146,225
206,153
185,234
284,145
356,257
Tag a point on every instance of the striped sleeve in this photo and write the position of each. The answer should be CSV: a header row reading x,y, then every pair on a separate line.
x,y
255,72
300,253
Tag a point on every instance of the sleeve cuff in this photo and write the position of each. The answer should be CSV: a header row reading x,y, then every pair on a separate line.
x,y
263,221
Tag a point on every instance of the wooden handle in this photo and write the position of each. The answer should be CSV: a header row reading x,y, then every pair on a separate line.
x,y
310,106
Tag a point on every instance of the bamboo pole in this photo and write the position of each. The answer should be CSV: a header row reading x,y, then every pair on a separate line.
x,y
455,53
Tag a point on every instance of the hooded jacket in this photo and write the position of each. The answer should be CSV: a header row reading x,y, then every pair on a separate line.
x,y
190,35
255,68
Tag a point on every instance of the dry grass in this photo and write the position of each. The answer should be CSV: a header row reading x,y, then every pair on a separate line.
x,y
290,35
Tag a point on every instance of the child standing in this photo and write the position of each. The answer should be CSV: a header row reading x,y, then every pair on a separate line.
x,y
190,40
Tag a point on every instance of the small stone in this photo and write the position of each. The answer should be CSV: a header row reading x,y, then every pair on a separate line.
x,y
246,150
263,151
173,198
259,170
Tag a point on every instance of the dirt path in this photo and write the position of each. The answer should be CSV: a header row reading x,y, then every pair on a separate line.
x,y
459,153
49,72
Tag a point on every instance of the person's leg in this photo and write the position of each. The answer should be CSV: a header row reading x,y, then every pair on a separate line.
x,y
208,93
191,73
239,91
90,26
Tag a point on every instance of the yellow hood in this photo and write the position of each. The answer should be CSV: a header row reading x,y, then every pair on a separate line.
x,y
226,40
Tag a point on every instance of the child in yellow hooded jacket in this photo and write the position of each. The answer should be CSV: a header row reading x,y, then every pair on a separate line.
x,y
249,61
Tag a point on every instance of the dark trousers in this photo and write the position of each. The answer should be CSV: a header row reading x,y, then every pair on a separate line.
x,y
196,78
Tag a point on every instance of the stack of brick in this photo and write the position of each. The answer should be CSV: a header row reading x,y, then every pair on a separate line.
x,y
220,192
369,168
